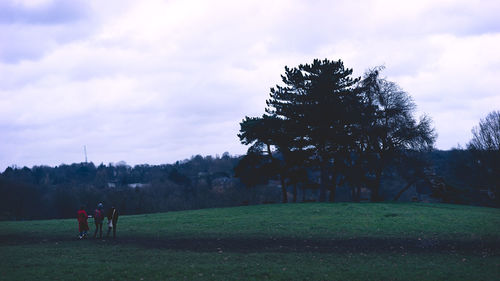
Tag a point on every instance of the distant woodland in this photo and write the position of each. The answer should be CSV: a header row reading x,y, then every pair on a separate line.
x,y
325,136
39,192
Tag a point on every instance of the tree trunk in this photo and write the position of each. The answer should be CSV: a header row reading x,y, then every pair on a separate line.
x,y
333,189
331,197
283,189
294,193
324,182
303,194
355,192
404,189
375,197
282,178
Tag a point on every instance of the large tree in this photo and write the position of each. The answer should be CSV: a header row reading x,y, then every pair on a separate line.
x,y
316,108
388,127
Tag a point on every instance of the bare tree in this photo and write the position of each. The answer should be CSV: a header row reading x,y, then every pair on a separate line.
x,y
486,136
389,127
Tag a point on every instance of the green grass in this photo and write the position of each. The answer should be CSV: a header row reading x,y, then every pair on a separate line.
x,y
275,242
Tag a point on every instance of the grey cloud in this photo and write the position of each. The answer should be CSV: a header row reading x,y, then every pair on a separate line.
x,y
29,33
54,12
32,42
469,18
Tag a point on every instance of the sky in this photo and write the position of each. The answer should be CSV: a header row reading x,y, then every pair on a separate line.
x,y
153,82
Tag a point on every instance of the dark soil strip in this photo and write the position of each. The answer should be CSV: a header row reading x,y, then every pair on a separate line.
x,y
285,245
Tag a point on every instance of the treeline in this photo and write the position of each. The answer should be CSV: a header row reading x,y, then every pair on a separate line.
x,y
57,192
457,176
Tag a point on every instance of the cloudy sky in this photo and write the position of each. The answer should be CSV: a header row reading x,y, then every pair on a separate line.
x,y
159,81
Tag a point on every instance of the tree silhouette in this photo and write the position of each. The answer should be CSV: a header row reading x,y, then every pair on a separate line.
x,y
387,127
485,149
268,135
309,118
486,136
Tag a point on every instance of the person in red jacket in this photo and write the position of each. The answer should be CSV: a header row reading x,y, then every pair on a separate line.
x,y
83,225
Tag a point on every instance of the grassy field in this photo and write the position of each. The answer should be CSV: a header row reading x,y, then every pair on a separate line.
x,y
311,241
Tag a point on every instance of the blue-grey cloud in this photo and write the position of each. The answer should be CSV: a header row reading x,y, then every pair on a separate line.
x,y
52,12
29,32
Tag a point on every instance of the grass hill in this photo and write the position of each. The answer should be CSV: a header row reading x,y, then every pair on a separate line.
x,y
313,241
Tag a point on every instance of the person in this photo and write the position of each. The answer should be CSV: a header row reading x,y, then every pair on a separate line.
x,y
83,225
98,218
112,220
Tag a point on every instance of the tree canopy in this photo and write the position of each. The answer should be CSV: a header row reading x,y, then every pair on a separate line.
x,y
324,118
